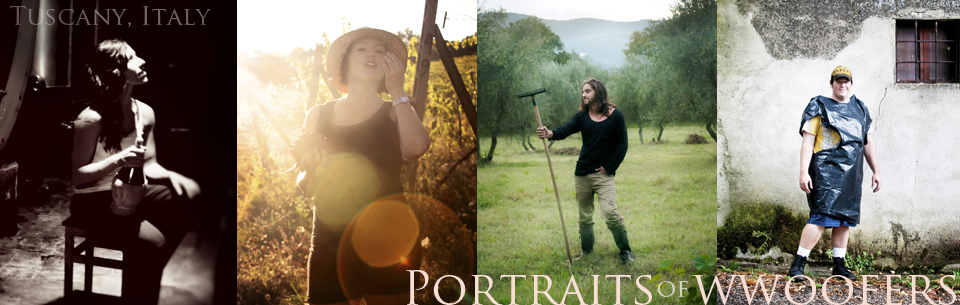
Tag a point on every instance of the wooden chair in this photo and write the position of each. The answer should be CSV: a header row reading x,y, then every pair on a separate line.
x,y
83,254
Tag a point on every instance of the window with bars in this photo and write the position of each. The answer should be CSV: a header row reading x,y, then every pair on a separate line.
x,y
927,51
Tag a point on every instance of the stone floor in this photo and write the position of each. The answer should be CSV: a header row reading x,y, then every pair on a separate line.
x,y
32,263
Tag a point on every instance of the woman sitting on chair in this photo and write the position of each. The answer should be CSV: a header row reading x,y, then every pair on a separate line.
x,y
104,142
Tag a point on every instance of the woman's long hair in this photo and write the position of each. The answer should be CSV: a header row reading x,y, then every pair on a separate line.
x,y
600,99
106,69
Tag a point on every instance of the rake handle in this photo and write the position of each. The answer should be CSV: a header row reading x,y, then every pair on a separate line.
x,y
555,191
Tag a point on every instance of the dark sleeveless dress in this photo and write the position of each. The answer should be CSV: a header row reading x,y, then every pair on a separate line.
x,y
362,165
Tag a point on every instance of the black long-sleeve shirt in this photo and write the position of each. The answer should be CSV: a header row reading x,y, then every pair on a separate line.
x,y
604,143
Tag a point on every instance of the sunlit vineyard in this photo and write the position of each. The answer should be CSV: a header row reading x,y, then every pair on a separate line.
x,y
275,222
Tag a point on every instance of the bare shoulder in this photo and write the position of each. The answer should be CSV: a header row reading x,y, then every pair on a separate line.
x,y
312,118
314,112
146,113
87,119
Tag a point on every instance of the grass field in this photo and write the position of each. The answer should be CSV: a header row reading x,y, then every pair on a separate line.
x,y
665,192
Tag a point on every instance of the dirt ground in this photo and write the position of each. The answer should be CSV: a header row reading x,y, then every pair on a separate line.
x,y
32,262
748,286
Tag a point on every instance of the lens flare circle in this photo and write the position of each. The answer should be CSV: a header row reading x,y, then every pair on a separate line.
x,y
385,232
344,184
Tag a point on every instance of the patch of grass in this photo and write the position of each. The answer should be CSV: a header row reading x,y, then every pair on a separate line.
x,y
273,235
666,194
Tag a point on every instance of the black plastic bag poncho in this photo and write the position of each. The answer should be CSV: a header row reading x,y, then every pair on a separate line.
x,y
837,172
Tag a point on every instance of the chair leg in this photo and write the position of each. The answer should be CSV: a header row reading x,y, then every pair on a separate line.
x,y
68,262
88,272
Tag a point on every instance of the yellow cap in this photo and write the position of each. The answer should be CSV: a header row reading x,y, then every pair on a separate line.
x,y
841,71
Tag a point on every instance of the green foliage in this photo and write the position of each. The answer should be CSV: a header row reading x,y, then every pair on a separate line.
x,y
675,59
518,57
628,87
705,267
763,247
953,283
532,29
862,262
782,225
452,139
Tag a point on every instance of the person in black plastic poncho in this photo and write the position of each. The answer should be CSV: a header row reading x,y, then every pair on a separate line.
x,y
836,139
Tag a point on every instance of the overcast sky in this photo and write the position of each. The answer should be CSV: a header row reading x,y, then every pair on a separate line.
x,y
282,25
616,10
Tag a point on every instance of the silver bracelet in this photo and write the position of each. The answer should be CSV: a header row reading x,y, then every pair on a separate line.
x,y
401,100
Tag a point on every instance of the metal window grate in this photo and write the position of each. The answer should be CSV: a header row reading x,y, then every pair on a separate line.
x,y
927,51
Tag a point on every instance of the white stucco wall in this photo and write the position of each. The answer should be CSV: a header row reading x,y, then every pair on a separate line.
x,y
760,101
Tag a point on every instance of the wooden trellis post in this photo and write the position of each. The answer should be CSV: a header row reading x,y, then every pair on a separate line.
x,y
420,84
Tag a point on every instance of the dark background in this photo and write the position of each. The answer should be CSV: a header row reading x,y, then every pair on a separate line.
x,y
191,88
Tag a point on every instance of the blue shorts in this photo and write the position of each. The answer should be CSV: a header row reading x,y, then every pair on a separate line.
x,y
828,221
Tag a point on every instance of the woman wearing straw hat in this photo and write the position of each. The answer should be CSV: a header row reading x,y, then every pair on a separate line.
x,y
365,236
104,142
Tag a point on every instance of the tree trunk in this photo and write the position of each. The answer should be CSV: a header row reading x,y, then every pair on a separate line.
x,y
640,123
493,145
660,133
551,144
524,143
713,134
530,143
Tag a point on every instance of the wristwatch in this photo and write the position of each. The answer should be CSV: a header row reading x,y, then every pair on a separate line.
x,y
401,100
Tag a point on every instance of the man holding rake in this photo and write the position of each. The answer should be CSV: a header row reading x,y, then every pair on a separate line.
x,y
604,134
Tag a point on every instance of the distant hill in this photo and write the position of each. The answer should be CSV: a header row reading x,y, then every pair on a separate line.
x,y
602,40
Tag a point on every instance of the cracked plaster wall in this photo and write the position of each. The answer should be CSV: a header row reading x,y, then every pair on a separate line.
x,y
773,58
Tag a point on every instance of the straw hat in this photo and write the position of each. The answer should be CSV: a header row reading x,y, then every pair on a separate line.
x,y
338,49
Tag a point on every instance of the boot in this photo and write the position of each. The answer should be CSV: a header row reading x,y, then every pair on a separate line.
x,y
586,239
620,238
626,256
840,268
797,268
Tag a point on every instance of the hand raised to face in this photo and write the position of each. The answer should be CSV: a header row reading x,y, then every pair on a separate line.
x,y
394,70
